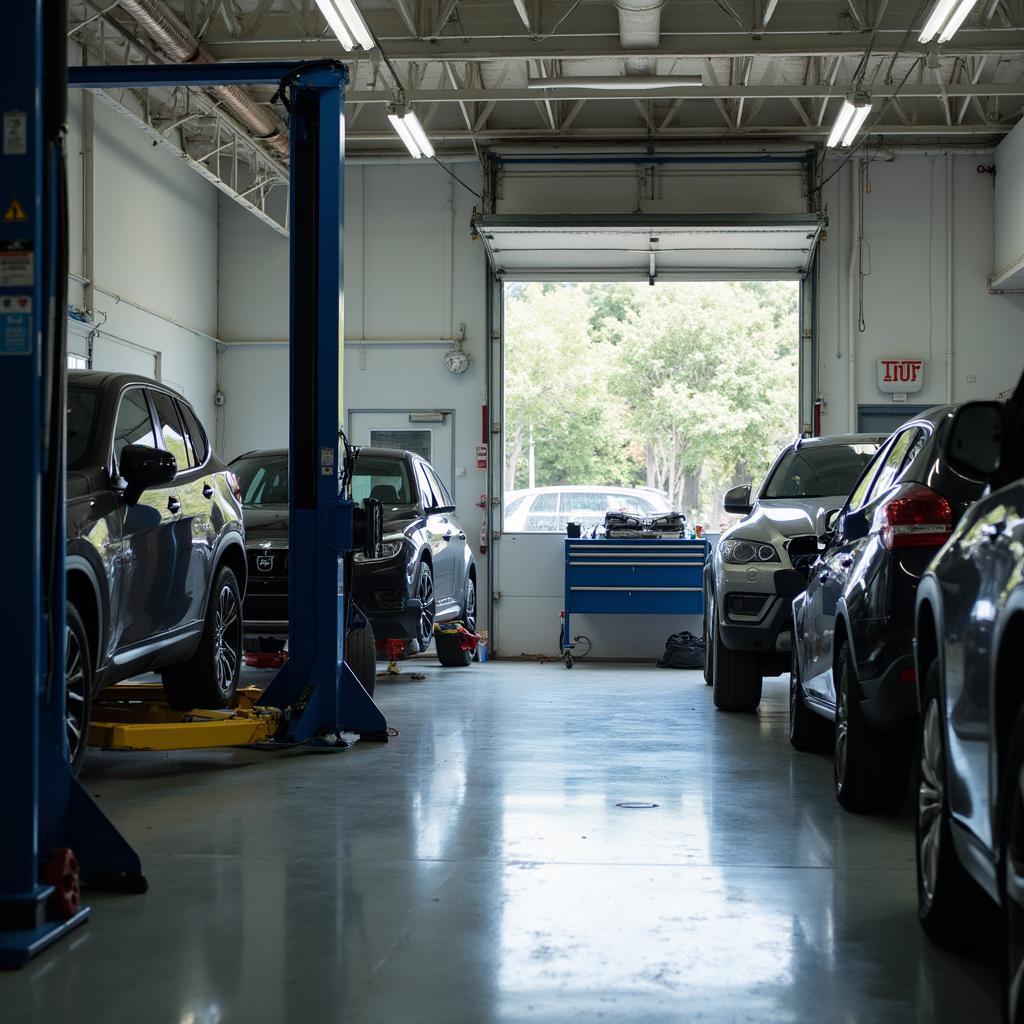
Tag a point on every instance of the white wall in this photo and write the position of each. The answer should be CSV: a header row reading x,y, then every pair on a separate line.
x,y
905,295
412,275
155,244
1009,227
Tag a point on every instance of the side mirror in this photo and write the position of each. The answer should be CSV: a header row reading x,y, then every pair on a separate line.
x,y
853,526
825,521
737,500
143,467
975,442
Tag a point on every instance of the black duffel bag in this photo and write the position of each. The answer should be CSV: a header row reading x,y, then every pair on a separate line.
x,y
683,650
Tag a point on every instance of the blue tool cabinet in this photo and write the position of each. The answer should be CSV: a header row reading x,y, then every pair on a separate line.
x,y
631,576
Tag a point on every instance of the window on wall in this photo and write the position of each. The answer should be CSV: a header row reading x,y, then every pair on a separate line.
x,y
76,362
624,397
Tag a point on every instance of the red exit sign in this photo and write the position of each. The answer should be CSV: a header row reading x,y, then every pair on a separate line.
x,y
896,376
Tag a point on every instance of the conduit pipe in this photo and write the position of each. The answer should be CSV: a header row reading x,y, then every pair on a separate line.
x,y
852,287
174,38
949,278
639,29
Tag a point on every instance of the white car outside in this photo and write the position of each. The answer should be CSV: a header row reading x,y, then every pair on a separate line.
x,y
549,509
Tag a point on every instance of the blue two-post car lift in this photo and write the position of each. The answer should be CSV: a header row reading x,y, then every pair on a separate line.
x,y
42,807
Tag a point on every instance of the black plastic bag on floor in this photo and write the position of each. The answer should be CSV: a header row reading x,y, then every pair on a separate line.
x,y
683,650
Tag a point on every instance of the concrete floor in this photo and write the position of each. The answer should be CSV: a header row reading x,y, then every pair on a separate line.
x,y
478,868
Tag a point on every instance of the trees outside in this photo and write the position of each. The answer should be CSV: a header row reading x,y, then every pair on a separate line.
x,y
686,387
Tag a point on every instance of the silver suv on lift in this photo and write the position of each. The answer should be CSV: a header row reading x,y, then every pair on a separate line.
x,y
761,563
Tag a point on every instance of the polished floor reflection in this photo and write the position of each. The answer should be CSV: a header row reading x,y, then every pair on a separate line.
x,y
480,868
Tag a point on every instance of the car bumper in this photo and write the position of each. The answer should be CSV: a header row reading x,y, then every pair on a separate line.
x,y
890,700
383,593
768,629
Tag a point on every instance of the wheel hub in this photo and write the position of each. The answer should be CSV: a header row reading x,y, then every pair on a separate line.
x,y
930,797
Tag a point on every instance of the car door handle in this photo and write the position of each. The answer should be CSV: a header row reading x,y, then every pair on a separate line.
x,y
173,505
207,491
446,536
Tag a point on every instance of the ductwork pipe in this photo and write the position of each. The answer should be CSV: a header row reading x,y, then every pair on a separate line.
x,y
639,29
174,38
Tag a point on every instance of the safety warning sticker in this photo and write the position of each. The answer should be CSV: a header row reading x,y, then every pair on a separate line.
x,y
17,266
15,211
15,325
15,133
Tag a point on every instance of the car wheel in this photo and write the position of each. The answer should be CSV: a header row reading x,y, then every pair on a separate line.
x,y
709,649
468,614
1011,877
807,730
949,903
870,769
737,675
449,650
428,605
78,688
209,678
361,656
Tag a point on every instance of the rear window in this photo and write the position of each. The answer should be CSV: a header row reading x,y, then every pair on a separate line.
x,y
263,479
819,471
81,424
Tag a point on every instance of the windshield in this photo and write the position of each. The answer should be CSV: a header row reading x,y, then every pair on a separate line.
x,y
82,405
819,471
263,479
384,478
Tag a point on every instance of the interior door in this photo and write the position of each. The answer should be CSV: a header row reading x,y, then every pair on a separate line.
x,y
433,441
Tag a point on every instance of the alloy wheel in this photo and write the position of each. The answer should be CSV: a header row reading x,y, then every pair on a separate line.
x,y
930,796
469,615
425,593
794,690
1014,908
227,643
842,732
76,682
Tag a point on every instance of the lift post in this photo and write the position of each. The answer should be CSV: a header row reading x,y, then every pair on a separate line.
x,y
43,807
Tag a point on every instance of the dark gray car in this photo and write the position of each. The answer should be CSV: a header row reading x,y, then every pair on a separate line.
x,y
970,648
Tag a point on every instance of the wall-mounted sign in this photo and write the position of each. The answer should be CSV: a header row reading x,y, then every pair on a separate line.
x,y
900,376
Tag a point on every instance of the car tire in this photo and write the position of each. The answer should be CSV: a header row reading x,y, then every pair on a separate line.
x,y
361,656
449,651
870,769
808,731
210,677
78,692
737,675
709,648
428,606
1011,877
950,905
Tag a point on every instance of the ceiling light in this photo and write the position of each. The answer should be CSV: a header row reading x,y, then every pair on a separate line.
x,y
852,116
624,82
520,7
946,17
347,23
410,131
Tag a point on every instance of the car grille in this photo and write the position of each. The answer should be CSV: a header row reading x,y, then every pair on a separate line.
x,y
803,552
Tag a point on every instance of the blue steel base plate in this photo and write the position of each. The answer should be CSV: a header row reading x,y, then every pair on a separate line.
x,y
17,948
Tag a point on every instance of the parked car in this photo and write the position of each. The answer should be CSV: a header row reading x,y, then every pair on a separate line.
x,y
852,675
761,563
155,549
425,575
969,651
549,509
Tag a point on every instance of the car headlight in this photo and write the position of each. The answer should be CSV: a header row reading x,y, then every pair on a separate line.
x,y
388,549
742,552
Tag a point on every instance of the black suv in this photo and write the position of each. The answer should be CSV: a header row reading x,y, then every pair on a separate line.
x,y
155,549
425,575
970,645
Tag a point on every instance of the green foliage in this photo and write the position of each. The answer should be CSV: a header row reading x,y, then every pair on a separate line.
x,y
686,387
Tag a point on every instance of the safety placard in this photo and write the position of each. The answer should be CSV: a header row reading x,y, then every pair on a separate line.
x,y
481,456
15,133
15,211
15,325
17,267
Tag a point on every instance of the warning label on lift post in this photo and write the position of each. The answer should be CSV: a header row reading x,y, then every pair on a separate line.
x,y
17,267
15,325
15,211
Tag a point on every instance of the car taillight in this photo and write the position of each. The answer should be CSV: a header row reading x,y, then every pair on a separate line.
x,y
236,488
920,518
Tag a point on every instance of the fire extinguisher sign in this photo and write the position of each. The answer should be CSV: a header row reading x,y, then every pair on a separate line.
x,y
481,456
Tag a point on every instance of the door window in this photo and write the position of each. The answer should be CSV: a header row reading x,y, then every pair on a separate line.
x,y
858,499
438,487
171,430
893,463
198,442
429,498
133,424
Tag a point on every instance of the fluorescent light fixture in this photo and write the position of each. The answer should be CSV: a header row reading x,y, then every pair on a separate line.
x,y
520,7
852,115
347,23
410,131
624,82
956,20
946,17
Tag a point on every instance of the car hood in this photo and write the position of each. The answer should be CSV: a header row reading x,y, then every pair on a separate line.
x,y
271,522
781,519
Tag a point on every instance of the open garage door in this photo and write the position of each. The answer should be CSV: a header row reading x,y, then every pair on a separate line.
x,y
542,247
